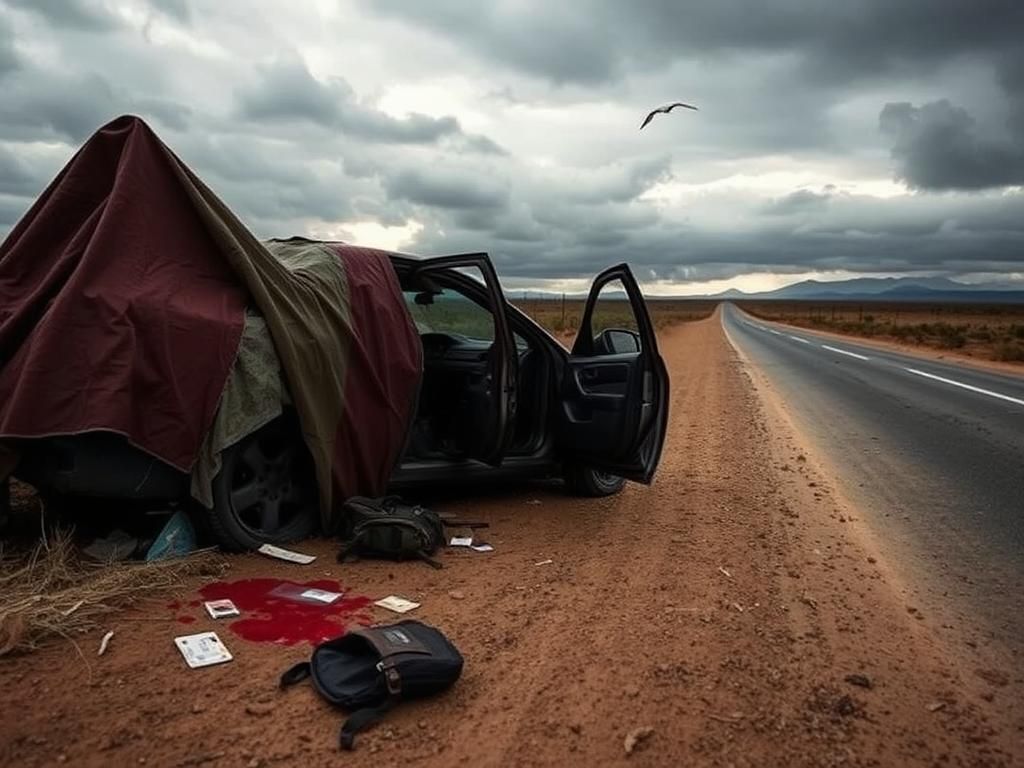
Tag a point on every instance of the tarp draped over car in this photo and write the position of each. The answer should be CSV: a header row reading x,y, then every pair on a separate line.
x,y
123,294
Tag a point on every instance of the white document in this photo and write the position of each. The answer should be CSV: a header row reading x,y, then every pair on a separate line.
x,y
397,604
461,541
286,554
321,595
202,650
221,609
482,547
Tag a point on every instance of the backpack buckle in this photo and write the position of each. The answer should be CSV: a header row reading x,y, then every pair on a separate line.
x,y
391,677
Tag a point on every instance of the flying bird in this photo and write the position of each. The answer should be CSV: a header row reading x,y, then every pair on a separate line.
x,y
665,110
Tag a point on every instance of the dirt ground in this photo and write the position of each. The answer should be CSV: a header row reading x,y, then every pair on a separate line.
x,y
988,335
736,613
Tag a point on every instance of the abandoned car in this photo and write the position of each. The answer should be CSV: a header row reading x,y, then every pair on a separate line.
x,y
152,350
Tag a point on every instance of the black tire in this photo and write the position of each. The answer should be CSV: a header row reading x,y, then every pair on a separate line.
x,y
584,481
265,492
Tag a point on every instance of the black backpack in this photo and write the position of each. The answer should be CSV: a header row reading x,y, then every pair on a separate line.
x,y
389,528
368,671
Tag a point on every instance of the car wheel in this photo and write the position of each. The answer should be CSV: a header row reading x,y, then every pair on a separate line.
x,y
266,490
585,481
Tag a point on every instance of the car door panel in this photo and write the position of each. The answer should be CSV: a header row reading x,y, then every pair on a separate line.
x,y
497,364
615,406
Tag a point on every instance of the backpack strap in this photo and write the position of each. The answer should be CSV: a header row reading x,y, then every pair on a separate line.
x,y
363,718
348,551
296,674
429,560
454,522
360,720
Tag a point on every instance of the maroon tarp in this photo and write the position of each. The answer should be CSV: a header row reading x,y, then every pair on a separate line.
x,y
122,296
385,349
117,311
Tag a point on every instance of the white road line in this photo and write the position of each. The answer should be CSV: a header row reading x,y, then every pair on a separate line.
x,y
772,330
797,338
960,384
844,352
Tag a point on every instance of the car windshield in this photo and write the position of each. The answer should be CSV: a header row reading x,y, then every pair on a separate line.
x,y
449,312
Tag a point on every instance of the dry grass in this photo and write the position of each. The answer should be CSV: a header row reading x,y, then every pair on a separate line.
x,y
562,317
986,331
51,592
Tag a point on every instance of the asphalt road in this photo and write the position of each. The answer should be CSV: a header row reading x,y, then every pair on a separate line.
x,y
931,451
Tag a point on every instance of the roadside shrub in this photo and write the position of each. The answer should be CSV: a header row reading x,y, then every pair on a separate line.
x,y
1010,352
980,334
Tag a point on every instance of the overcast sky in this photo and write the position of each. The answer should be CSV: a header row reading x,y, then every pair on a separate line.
x,y
833,138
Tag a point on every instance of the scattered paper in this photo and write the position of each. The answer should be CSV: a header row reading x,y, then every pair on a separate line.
x,y
221,609
321,595
545,562
303,594
397,604
286,554
482,547
202,650
461,541
105,642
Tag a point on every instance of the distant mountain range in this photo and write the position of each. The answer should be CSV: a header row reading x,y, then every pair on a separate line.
x,y
855,289
887,289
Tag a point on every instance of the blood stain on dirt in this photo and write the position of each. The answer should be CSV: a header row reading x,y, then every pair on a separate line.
x,y
272,619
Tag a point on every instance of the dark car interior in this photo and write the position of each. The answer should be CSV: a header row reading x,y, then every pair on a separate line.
x,y
456,410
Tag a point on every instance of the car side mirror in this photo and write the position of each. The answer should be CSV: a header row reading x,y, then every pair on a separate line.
x,y
424,298
617,341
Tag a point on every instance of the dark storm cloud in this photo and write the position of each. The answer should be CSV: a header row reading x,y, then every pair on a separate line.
x,y
16,176
170,114
11,209
801,201
619,182
484,146
446,188
82,15
42,104
177,9
287,92
851,232
937,147
267,181
8,56
66,107
597,41
790,95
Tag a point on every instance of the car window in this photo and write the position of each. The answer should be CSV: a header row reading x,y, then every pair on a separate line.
x,y
613,322
449,312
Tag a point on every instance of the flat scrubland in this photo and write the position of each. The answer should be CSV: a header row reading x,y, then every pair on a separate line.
x,y
563,317
984,331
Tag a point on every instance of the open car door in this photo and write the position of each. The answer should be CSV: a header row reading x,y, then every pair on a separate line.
x,y
488,400
615,389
